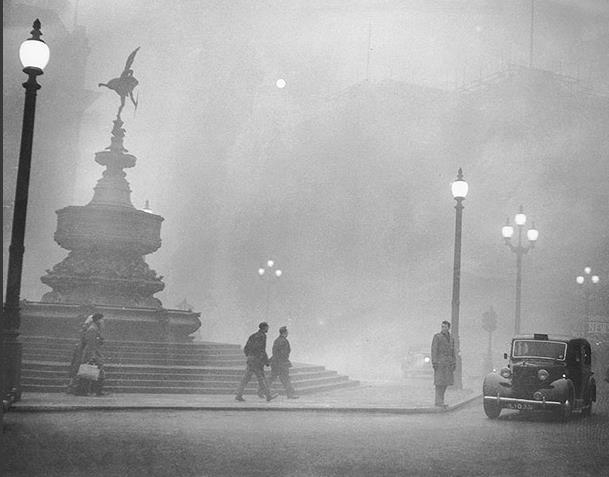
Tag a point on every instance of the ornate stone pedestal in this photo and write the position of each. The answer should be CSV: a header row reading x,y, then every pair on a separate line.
x,y
105,269
63,320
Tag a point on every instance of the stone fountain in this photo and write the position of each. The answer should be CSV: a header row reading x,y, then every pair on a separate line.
x,y
105,269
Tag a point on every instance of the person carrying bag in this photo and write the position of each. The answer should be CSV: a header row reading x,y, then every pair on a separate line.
x,y
92,358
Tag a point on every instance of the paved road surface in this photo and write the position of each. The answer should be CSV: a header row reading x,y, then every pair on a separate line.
x,y
303,443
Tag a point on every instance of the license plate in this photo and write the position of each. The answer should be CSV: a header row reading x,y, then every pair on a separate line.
x,y
521,406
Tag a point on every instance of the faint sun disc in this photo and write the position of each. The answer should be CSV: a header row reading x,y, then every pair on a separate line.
x,y
280,83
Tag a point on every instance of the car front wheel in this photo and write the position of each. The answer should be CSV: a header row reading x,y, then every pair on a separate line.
x,y
491,409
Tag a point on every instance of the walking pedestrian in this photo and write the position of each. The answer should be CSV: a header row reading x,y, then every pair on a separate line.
x,y
257,359
77,355
444,362
280,363
92,354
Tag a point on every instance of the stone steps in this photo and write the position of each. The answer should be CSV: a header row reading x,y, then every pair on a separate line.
x,y
171,368
250,390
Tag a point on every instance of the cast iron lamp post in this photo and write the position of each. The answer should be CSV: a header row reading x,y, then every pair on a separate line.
x,y
532,235
269,273
34,56
587,283
459,190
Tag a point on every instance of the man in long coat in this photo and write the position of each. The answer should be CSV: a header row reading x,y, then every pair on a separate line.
x,y
443,360
280,362
257,359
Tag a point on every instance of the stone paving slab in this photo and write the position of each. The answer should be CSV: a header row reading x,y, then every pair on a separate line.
x,y
388,397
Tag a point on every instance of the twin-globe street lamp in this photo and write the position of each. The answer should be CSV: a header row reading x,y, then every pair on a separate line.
x,y
34,55
507,231
587,282
459,190
269,273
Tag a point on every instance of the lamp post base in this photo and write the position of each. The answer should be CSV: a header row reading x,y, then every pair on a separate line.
x,y
459,374
12,350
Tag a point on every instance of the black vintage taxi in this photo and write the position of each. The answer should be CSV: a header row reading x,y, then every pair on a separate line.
x,y
549,373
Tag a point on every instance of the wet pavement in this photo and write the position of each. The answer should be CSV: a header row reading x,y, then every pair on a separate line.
x,y
414,396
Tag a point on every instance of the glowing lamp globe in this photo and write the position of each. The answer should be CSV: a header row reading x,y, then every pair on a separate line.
x,y
520,218
532,234
34,53
459,188
507,230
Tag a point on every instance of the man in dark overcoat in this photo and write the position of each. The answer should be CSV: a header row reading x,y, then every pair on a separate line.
x,y
257,359
443,360
280,362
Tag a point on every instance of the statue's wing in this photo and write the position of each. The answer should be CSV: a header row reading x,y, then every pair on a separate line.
x,y
130,59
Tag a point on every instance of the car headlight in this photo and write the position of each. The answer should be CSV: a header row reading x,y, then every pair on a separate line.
x,y
506,373
542,375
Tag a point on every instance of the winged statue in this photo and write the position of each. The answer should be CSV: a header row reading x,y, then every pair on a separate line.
x,y
125,83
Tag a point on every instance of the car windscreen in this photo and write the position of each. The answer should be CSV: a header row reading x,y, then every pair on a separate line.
x,y
539,349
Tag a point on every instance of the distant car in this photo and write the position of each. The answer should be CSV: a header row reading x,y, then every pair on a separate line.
x,y
547,373
417,364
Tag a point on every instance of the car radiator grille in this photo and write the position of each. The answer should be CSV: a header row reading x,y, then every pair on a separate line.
x,y
525,380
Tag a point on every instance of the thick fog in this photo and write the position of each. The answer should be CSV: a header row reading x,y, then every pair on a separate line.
x,y
342,177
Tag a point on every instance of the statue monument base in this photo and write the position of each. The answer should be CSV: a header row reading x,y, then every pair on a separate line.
x,y
120,323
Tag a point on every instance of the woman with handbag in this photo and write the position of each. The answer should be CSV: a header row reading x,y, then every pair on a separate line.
x,y
91,354
77,355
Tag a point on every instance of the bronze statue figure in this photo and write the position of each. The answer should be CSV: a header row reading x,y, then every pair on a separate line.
x,y
125,84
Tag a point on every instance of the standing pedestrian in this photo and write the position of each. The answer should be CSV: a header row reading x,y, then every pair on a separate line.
x,y
92,354
444,362
257,359
280,363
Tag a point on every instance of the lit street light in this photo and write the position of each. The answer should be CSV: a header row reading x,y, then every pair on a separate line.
x,y
532,235
270,274
459,190
587,282
34,56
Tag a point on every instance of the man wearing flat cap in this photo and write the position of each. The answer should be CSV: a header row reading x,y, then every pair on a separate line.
x,y
280,362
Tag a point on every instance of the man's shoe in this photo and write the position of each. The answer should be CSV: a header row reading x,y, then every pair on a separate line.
x,y
239,398
293,396
270,397
101,394
260,395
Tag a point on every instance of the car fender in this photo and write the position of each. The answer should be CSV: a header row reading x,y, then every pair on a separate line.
x,y
494,384
561,388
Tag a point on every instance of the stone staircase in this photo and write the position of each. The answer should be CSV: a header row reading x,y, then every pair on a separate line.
x,y
161,368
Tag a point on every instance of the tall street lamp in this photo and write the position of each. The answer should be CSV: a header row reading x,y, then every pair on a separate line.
x,y
520,219
34,56
587,282
459,190
269,273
